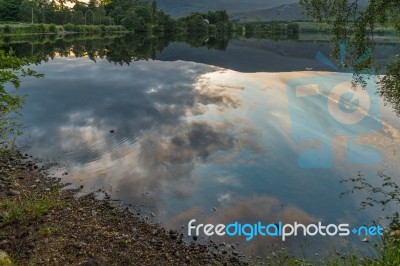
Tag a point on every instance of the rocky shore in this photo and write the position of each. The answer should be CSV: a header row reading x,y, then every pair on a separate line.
x,y
42,223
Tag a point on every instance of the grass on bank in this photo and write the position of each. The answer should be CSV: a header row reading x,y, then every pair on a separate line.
x,y
388,254
27,209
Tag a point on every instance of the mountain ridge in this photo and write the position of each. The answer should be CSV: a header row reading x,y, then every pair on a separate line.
x,y
179,8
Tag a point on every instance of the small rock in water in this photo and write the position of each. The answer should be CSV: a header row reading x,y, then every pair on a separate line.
x,y
214,209
365,240
112,131
153,215
309,68
12,192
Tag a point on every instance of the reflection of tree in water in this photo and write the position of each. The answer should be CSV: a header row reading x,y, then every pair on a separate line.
x,y
117,49
11,69
354,24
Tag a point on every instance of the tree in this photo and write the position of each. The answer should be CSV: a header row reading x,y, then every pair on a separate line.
x,y
98,15
132,21
117,14
353,24
195,24
89,17
293,28
144,12
92,4
77,18
9,10
79,6
153,8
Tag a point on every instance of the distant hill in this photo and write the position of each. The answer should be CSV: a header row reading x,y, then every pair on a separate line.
x,y
184,7
285,12
245,11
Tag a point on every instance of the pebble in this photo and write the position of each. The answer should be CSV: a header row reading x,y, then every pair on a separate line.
x,y
214,209
365,240
47,189
14,193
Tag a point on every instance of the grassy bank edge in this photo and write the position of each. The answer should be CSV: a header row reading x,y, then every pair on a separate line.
x,y
32,29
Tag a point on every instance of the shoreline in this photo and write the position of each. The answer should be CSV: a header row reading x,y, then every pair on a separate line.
x,y
42,223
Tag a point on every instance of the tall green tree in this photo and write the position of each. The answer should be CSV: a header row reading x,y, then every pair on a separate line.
x,y
77,18
89,17
9,10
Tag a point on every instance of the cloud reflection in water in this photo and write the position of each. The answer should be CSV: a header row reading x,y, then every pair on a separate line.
x,y
188,137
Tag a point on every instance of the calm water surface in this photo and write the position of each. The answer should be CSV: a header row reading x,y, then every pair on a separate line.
x,y
211,135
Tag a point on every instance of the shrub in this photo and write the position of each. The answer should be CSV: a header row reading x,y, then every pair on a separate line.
x,y
7,29
69,27
53,28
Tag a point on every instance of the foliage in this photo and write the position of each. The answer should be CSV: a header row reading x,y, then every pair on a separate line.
x,y
209,23
293,28
136,16
33,208
383,195
11,69
391,84
354,26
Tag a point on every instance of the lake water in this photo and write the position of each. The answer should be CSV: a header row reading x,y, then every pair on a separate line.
x,y
254,131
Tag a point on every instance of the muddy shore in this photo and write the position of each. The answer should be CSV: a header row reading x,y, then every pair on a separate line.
x,y
42,222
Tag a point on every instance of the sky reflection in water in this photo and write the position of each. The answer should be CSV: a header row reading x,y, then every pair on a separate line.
x,y
190,137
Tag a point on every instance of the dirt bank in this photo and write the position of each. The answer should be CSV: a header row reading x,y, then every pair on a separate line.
x,y
41,223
